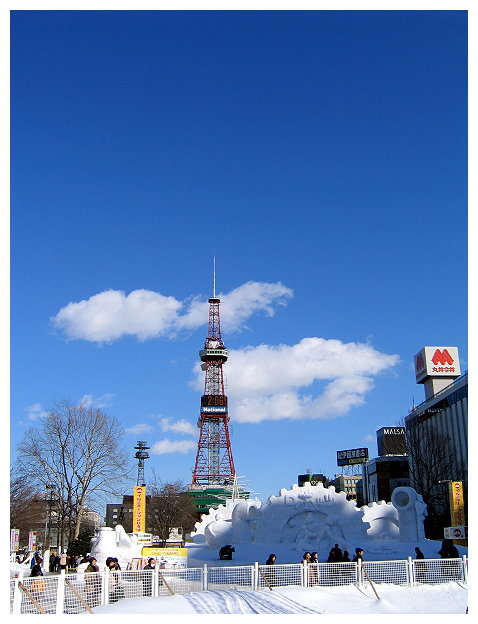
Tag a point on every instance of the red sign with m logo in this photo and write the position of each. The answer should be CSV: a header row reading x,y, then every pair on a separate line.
x,y
442,357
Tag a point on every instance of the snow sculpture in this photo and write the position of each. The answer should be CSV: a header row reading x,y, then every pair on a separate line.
x,y
383,520
308,516
103,544
227,524
312,515
304,516
115,543
411,513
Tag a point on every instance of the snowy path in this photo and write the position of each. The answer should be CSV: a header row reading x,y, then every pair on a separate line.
x,y
240,601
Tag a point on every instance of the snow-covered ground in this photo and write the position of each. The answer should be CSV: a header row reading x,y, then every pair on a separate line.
x,y
424,599
449,598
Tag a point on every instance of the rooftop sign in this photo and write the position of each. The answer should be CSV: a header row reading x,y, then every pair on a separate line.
x,y
437,362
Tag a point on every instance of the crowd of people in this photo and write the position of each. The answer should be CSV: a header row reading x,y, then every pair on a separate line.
x,y
335,556
93,582
447,551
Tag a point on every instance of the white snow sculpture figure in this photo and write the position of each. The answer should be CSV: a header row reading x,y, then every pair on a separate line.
x,y
411,513
126,545
242,518
228,522
383,520
103,545
223,512
114,543
309,515
219,532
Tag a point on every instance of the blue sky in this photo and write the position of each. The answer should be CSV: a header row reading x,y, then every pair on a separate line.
x,y
320,156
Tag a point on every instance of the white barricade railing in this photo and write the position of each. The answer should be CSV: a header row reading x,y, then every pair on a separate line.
x,y
79,593
395,572
230,577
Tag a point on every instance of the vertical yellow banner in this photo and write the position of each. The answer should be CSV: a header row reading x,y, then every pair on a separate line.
x,y
139,510
457,507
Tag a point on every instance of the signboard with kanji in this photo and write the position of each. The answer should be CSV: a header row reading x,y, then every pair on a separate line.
x,y
139,510
352,456
437,362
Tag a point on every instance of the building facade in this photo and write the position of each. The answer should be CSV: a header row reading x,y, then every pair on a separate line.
x,y
437,436
382,475
120,513
390,469
350,484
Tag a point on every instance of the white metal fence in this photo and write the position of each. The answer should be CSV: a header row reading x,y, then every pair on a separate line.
x,y
79,593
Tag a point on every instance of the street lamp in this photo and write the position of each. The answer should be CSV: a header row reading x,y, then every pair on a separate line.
x,y
51,489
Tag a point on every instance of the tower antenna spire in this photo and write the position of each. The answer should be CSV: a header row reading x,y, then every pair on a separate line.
x,y
214,280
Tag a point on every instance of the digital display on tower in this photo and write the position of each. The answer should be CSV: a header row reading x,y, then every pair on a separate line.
x,y
214,400
214,404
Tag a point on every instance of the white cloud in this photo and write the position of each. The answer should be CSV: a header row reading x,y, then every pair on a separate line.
x,y
111,314
105,400
173,446
35,411
145,314
178,426
314,379
139,428
369,437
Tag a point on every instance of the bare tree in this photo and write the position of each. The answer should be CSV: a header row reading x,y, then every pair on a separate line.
x,y
169,506
27,507
75,449
432,459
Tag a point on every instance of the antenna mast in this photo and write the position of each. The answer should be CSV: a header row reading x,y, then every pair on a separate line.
x,y
141,454
214,280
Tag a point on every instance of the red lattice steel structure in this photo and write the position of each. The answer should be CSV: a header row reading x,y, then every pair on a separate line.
x,y
214,462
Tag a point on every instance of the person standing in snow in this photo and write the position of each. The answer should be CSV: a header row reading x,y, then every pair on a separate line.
x,y
314,571
116,590
36,568
338,553
147,578
51,566
93,583
34,558
420,567
269,574
332,556
358,557
418,553
448,550
347,570
37,586
63,561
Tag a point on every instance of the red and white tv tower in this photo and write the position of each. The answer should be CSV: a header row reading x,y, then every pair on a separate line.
x,y
214,462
